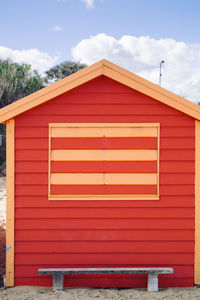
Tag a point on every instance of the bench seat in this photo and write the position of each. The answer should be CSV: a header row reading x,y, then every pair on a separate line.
x,y
58,274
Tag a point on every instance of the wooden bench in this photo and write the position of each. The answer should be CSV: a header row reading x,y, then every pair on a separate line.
x,y
58,274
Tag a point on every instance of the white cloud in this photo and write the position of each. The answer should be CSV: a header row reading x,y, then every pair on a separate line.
x,y
89,3
142,55
57,28
40,61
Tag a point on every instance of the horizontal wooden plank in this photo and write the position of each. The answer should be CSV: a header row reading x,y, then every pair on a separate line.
x,y
36,167
103,155
187,178
165,190
103,179
28,259
183,166
32,155
104,224
33,132
108,125
76,130
103,190
172,131
104,97
165,155
31,143
43,132
105,212
42,178
177,155
180,271
177,143
44,120
102,143
102,108
165,201
105,247
104,166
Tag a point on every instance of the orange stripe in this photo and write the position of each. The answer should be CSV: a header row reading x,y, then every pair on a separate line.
x,y
104,143
103,155
130,131
103,178
105,125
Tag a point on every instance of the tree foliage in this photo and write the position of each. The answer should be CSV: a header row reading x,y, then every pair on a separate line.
x,y
17,81
63,70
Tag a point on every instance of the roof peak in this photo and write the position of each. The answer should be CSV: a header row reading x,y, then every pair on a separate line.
x,y
110,70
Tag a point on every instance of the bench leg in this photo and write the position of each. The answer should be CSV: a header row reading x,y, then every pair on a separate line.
x,y
152,282
57,282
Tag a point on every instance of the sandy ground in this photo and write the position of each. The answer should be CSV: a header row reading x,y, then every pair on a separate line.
x,y
33,293
3,201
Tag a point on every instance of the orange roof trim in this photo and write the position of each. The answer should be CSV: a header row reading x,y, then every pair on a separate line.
x,y
110,70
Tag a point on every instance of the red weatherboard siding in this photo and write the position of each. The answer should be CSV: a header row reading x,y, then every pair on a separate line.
x,y
104,233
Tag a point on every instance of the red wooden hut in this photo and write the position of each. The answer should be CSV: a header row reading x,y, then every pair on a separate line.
x,y
103,170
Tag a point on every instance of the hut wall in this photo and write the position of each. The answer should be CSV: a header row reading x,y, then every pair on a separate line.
x,y
104,233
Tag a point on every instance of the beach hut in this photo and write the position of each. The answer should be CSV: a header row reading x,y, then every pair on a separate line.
x,y
103,170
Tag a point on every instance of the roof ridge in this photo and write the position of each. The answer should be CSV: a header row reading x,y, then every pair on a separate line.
x,y
106,68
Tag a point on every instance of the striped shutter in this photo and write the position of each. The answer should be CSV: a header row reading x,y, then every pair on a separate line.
x,y
104,161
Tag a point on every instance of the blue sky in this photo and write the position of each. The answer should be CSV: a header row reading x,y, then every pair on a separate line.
x,y
55,27
29,24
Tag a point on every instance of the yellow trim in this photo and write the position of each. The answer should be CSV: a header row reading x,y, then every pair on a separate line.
x,y
10,163
104,178
110,70
103,155
103,197
197,204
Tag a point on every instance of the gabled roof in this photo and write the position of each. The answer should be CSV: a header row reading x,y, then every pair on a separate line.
x,y
110,70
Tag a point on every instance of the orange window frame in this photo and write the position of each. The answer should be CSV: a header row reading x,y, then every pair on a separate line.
x,y
60,130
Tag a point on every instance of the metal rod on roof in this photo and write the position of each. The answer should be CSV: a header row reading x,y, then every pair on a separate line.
x,y
160,75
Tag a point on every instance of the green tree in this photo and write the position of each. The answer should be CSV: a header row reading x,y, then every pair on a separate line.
x,y
63,70
17,81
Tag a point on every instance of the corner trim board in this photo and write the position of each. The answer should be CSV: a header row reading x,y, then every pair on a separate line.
x,y
10,163
197,204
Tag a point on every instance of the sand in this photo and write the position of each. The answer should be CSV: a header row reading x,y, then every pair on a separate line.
x,y
41,293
